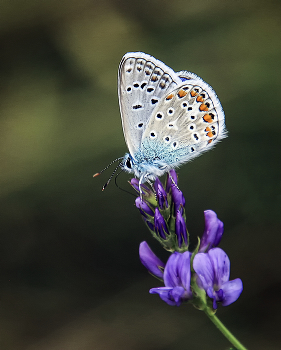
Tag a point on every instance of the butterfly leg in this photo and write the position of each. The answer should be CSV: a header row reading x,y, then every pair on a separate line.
x,y
173,181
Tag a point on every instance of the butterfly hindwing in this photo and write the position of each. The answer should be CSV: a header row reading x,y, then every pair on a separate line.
x,y
142,82
186,122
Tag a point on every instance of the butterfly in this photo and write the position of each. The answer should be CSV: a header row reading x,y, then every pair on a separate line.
x,y
168,117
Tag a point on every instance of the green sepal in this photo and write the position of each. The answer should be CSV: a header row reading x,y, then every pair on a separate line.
x,y
166,213
194,253
151,199
168,243
199,300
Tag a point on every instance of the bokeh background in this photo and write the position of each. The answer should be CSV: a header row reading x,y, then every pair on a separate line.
x,y
70,276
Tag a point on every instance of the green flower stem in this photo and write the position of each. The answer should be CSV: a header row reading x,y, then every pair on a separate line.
x,y
236,343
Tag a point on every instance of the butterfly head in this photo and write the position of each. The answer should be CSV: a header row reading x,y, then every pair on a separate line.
x,y
144,169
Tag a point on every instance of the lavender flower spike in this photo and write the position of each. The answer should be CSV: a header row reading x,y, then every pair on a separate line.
x,y
150,260
177,280
213,231
213,269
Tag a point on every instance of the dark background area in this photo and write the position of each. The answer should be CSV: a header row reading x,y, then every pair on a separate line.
x,y
70,276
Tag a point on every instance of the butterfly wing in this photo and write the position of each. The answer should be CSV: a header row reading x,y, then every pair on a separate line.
x,y
186,122
142,81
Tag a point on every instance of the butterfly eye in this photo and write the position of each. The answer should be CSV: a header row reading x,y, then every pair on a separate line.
x,y
128,163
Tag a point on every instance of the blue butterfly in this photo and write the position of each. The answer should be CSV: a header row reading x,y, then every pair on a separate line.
x,y
168,117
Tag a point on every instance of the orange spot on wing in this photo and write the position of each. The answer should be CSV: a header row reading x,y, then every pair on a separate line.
x,y
169,97
208,129
154,78
203,107
210,134
182,93
207,118
200,99
210,141
193,93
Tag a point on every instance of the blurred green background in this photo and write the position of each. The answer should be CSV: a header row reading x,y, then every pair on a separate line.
x,y
70,276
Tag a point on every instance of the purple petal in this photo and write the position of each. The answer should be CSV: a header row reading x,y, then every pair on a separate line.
x,y
160,194
135,184
172,174
171,276
178,199
180,229
203,267
143,207
219,234
232,290
221,266
160,224
150,225
183,268
177,294
213,231
150,260
164,293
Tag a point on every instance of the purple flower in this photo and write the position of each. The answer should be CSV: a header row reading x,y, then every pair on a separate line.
x,y
213,231
213,269
178,199
160,224
143,207
135,184
154,265
181,230
161,194
172,174
177,280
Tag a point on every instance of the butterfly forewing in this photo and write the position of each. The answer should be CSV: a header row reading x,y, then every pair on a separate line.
x,y
186,122
142,82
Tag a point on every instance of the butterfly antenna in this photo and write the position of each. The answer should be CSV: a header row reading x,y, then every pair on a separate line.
x,y
97,174
111,176
120,188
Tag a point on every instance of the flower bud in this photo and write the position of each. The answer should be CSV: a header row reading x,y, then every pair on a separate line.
x,y
171,175
143,207
213,231
181,230
160,225
160,194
